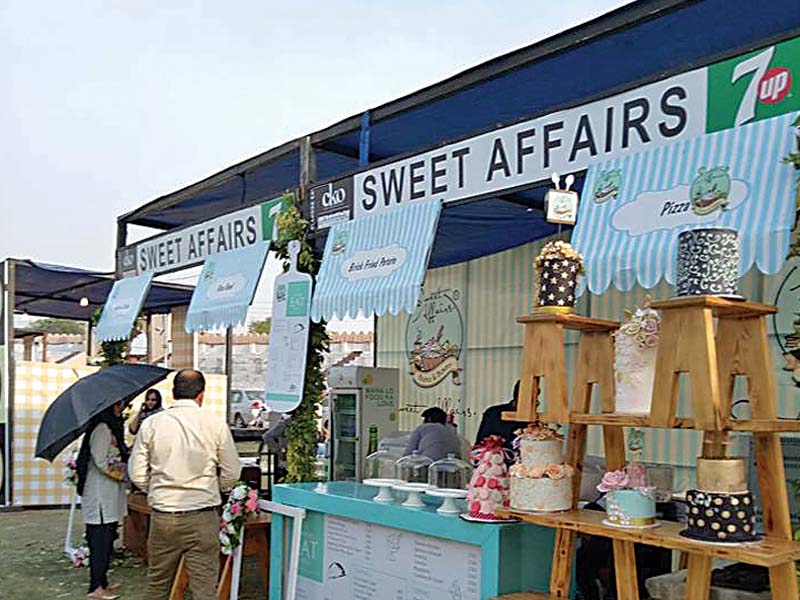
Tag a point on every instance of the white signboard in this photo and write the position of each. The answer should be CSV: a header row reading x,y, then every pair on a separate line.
x,y
342,559
564,142
192,245
288,337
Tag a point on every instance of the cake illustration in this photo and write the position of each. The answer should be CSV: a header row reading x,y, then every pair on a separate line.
x,y
558,267
721,508
540,481
488,486
635,349
708,263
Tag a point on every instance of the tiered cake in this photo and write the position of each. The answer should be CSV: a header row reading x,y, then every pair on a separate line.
x,y
540,481
635,350
708,263
558,267
721,508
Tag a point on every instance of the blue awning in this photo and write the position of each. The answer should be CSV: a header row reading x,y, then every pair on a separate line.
x,y
633,208
376,264
56,291
122,307
226,288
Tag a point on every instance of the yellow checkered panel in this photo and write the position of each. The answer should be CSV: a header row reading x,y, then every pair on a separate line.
x,y
37,482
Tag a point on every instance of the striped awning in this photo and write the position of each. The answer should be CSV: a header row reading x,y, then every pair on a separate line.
x,y
633,208
226,288
376,264
122,307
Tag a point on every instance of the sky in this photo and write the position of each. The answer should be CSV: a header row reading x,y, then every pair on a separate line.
x,y
108,105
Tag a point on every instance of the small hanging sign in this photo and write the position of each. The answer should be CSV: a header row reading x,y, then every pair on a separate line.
x,y
562,205
288,337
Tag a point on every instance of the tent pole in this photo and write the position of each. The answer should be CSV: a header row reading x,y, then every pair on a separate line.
x,y
228,370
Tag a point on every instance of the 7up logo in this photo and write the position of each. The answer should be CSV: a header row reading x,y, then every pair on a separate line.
x,y
754,87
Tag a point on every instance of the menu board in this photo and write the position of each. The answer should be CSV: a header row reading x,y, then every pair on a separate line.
x,y
341,559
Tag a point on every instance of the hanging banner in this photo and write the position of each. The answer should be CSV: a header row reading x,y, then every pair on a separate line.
x,y
376,265
635,207
226,288
191,245
288,337
122,307
745,89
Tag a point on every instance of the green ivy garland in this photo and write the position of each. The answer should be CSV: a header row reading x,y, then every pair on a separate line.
x,y
111,353
301,431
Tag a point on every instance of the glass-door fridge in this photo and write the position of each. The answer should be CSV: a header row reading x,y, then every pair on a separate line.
x,y
363,409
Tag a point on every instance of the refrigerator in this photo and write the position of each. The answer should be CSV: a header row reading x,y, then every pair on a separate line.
x,y
362,401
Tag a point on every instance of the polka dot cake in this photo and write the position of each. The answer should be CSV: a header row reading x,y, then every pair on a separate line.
x,y
721,509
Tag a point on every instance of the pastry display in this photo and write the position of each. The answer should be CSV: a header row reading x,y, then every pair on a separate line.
x,y
721,508
540,481
708,263
488,486
635,350
558,267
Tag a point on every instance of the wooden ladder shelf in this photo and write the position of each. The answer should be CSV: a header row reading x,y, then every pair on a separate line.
x,y
712,362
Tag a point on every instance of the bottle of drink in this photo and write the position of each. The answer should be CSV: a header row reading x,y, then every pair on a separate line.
x,y
372,446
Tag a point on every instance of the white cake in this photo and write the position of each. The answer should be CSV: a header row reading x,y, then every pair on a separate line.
x,y
635,350
540,481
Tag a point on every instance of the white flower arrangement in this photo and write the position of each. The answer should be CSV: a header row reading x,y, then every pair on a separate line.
x,y
242,503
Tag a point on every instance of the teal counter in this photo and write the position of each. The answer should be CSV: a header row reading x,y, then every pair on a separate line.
x,y
353,548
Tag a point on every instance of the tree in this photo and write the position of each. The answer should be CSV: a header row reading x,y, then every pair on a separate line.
x,y
262,326
59,326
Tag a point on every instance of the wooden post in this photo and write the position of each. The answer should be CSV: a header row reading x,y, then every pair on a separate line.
x,y
698,582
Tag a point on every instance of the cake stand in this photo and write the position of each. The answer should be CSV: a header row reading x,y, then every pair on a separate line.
x,y
413,490
449,506
385,489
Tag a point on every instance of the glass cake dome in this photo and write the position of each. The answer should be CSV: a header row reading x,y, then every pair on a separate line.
x,y
380,465
450,473
413,468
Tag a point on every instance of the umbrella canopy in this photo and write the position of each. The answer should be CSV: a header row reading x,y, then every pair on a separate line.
x,y
67,417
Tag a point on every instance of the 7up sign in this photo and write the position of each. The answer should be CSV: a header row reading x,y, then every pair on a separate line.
x,y
754,86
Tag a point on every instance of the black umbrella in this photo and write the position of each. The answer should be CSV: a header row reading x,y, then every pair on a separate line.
x,y
67,417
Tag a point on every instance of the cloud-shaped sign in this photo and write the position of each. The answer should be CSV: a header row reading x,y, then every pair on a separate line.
x,y
668,209
226,287
376,262
121,306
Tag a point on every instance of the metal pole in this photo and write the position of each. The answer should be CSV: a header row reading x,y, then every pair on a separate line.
x,y
228,369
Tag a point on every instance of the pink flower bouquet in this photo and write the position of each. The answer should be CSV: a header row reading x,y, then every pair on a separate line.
x,y
242,503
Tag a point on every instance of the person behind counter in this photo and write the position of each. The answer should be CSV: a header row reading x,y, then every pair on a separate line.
x,y
492,422
434,438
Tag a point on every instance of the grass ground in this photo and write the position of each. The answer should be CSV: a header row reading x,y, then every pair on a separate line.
x,y
33,566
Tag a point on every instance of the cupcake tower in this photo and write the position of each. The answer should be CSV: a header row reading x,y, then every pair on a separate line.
x,y
488,487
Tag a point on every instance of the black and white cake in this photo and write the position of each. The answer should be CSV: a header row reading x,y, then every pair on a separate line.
x,y
708,263
721,510
558,267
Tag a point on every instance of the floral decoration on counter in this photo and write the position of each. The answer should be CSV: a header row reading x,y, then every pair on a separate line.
x,y
242,503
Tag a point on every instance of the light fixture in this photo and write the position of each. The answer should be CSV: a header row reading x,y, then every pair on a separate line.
x,y
84,302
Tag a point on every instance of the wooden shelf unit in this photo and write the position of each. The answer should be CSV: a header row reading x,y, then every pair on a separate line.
x,y
712,360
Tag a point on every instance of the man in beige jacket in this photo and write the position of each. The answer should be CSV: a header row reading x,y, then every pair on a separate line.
x,y
183,457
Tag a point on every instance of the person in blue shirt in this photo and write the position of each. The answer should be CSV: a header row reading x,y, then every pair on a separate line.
x,y
434,438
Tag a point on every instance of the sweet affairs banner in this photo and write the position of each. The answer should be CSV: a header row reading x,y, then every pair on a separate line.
x,y
745,89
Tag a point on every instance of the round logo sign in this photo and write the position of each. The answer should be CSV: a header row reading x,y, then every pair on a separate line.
x,y
434,339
